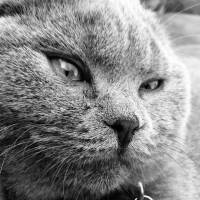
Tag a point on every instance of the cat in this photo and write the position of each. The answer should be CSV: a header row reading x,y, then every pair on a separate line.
x,y
93,101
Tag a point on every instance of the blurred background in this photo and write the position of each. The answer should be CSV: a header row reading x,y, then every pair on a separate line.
x,y
163,6
182,21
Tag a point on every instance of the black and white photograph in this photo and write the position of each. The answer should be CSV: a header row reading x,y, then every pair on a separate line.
x,y
99,99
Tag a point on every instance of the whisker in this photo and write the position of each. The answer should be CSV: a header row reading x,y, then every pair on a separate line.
x,y
180,164
47,169
5,154
179,49
180,152
79,193
177,149
64,179
1,168
7,127
35,149
30,155
12,147
14,143
166,23
57,172
185,37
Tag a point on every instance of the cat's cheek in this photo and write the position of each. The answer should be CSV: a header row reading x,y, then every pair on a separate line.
x,y
169,106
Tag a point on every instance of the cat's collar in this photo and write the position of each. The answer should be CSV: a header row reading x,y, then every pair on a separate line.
x,y
142,196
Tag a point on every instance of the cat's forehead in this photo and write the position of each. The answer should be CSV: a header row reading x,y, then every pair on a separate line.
x,y
114,27
112,32
104,32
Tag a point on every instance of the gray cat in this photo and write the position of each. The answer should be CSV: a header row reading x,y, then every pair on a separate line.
x,y
93,104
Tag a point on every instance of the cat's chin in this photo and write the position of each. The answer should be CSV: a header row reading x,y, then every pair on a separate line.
x,y
119,184
111,187
111,183
122,180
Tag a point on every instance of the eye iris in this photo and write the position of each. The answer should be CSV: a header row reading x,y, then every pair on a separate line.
x,y
151,85
70,73
66,70
69,69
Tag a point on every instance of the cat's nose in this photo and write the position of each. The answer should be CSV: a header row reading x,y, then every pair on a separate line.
x,y
125,130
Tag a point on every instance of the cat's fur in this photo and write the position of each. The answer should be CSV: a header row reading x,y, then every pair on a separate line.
x,y
54,141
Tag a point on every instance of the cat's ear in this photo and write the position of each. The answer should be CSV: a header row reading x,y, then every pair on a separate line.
x,y
10,7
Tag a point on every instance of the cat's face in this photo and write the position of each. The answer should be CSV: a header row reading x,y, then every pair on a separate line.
x,y
68,72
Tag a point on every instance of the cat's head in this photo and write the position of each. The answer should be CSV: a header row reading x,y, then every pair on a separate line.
x,y
91,96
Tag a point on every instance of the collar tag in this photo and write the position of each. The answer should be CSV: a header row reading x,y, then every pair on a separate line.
x,y
142,196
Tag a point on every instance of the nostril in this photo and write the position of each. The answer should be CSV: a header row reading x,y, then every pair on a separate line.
x,y
117,126
125,129
126,126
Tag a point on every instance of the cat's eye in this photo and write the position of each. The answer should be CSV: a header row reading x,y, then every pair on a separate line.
x,y
70,68
66,70
151,85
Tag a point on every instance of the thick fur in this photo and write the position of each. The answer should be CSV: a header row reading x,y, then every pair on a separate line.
x,y
54,141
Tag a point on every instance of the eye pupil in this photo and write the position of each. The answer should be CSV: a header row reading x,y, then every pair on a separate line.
x,y
66,73
148,86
